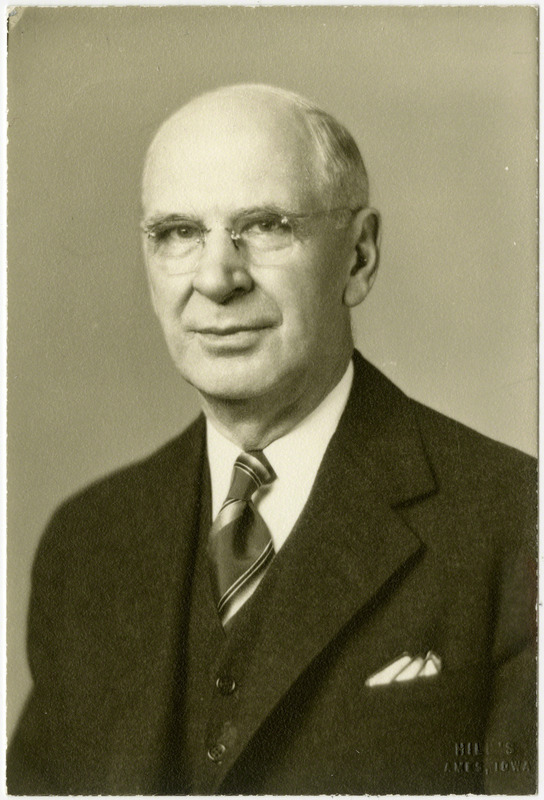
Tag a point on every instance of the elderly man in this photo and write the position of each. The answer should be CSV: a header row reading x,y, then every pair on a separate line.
x,y
321,586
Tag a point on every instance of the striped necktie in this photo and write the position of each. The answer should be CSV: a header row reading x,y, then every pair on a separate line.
x,y
239,544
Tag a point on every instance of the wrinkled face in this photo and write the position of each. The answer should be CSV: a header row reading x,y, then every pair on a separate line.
x,y
240,323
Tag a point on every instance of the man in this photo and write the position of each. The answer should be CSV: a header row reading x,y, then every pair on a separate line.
x,y
321,586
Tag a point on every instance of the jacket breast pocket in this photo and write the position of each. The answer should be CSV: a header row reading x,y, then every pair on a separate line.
x,y
456,699
470,678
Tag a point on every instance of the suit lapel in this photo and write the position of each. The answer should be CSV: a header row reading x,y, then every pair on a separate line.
x,y
348,548
162,553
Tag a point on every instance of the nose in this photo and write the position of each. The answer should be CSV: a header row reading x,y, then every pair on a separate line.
x,y
221,271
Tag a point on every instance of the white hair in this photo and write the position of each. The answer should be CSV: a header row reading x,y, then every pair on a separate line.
x,y
344,173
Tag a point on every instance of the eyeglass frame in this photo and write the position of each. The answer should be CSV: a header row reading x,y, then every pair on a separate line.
x,y
235,236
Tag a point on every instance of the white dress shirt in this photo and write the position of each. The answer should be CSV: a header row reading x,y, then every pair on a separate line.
x,y
295,458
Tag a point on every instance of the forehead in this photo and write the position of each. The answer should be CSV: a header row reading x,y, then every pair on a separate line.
x,y
229,157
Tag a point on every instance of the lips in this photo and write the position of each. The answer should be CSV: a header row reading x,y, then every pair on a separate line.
x,y
230,330
229,340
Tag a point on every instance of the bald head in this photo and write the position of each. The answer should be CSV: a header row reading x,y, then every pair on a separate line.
x,y
326,157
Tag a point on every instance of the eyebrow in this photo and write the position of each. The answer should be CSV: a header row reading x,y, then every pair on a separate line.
x,y
165,219
157,220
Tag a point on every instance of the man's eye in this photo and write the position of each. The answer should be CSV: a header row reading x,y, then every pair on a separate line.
x,y
268,225
171,233
177,233
185,232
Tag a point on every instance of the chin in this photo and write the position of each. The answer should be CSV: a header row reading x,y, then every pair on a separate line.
x,y
221,388
230,378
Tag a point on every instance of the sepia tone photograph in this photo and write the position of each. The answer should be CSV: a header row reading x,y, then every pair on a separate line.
x,y
272,400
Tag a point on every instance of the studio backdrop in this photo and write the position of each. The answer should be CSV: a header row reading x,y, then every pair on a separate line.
x,y
442,102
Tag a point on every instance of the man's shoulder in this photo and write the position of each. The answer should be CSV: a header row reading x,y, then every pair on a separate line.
x,y
136,489
473,475
454,446
488,479
449,444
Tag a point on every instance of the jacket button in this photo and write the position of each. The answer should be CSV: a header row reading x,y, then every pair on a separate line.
x,y
216,753
225,684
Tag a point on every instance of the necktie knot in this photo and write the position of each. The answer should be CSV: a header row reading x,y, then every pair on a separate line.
x,y
251,471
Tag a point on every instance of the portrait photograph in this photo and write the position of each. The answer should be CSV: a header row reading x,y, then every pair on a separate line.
x,y
272,400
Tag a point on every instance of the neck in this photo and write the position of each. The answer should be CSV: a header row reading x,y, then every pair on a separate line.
x,y
256,422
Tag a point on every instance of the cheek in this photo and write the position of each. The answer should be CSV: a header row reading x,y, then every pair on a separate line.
x,y
168,295
309,302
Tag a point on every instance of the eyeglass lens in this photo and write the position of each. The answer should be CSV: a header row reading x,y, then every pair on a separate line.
x,y
264,241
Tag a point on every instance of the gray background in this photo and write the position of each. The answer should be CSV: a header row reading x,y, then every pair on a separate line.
x,y
443,104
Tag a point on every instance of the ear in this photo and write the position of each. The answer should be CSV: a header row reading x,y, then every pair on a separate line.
x,y
365,259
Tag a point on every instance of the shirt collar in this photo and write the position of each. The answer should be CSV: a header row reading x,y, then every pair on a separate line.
x,y
295,457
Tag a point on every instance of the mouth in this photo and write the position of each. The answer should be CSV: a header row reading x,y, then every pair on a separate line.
x,y
232,338
232,330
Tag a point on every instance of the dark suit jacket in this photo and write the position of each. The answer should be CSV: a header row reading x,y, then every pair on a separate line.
x,y
418,535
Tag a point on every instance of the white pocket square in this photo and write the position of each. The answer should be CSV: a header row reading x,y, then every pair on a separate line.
x,y
406,668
